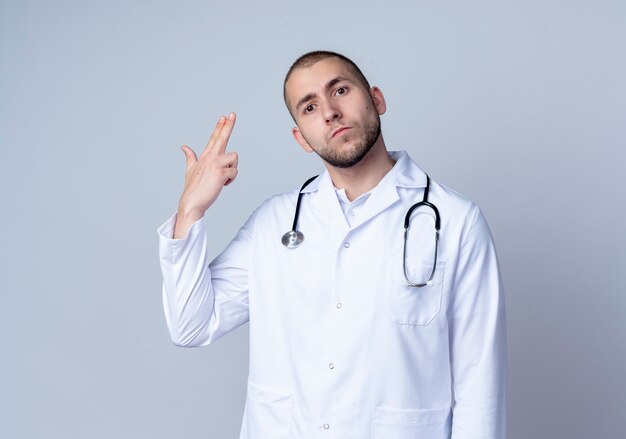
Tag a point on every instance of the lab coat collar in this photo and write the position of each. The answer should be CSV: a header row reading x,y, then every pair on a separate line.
x,y
405,173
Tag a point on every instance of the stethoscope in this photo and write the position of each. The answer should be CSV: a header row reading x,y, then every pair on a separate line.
x,y
293,238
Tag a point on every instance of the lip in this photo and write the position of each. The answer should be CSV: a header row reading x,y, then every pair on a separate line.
x,y
338,131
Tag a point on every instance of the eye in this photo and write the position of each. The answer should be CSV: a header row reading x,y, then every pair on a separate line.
x,y
308,108
341,90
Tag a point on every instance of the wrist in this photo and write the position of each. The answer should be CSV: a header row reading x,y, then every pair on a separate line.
x,y
189,215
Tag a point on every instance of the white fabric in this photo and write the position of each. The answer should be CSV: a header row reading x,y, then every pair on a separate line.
x,y
351,208
339,346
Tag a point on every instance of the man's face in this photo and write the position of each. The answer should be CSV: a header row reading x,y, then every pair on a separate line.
x,y
335,115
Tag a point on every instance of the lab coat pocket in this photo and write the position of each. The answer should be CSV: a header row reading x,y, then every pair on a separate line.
x,y
416,306
410,424
268,413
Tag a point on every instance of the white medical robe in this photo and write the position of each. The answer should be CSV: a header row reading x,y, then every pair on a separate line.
x,y
340,347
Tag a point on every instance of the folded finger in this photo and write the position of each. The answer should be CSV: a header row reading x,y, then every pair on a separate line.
x,y
229,160
230,174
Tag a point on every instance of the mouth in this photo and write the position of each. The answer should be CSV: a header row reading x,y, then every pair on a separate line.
x,y
338,131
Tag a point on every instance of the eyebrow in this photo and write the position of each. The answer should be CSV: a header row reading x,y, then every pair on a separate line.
x,y
328,85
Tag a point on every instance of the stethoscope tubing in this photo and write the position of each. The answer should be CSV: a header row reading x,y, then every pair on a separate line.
x,y
293,238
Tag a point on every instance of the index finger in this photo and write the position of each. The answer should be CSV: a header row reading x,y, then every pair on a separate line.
x,y
224,135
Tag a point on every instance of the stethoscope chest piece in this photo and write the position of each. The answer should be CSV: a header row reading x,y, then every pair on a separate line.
x,y
292,239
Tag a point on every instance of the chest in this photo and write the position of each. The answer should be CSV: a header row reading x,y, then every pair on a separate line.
x,y
364,266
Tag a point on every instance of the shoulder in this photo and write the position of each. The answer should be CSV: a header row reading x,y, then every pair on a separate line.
x,y
411,181
279,207
278,203
449,202
458,211
286,201
452,199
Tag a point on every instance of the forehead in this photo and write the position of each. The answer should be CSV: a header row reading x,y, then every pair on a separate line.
x,y
313,78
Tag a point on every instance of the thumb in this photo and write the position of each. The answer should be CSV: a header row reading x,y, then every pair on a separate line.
x,y
190,156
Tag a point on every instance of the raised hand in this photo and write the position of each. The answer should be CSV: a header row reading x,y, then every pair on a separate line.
x,y
206,176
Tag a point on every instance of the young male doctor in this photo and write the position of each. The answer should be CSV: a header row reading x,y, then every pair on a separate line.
x,y
341,346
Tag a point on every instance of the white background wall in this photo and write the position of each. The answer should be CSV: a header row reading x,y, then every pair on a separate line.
x,y
519,105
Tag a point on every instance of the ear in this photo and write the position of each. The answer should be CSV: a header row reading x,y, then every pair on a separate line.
x,y
379,100
301,140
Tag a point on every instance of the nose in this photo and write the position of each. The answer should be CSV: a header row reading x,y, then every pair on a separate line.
x,y
331,113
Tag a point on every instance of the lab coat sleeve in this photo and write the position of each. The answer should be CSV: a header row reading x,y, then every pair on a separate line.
x,y
203,301
478,337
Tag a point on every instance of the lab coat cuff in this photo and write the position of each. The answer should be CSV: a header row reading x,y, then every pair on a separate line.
x,y
166,233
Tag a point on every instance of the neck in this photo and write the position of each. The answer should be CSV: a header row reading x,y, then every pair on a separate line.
x,y
366,174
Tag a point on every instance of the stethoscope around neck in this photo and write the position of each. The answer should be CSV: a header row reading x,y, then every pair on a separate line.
x,y
294,238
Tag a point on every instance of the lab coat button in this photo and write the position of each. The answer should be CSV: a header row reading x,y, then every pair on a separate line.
x,y
346,245
326,426
339,305
331,366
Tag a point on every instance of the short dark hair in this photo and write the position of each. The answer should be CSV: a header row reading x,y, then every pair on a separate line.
x,y
310,58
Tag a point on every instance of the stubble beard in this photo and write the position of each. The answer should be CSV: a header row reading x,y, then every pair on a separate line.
x,y
352,156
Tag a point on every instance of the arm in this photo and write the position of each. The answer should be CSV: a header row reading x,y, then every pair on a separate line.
x,y
202,301
196,311
478,337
